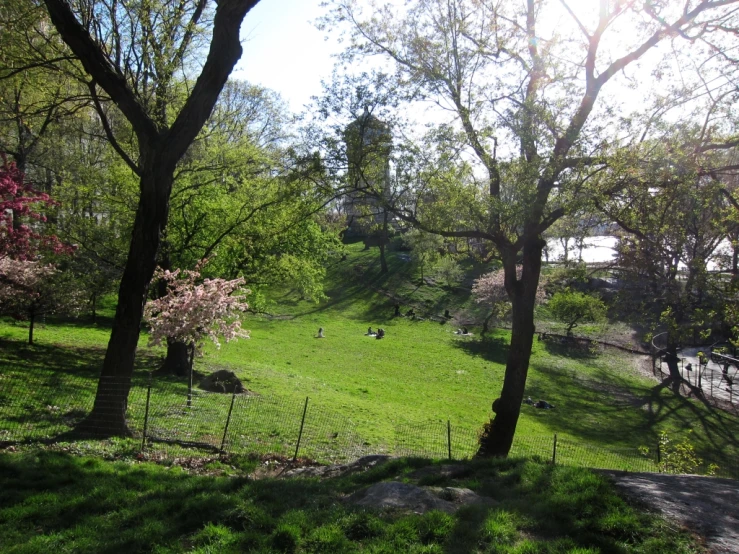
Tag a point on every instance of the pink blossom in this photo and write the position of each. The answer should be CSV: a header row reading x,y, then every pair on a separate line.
x,y
192,312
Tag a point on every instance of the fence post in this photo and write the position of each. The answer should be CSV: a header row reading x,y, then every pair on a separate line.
x,y
146,414
659,456
711,382
554,450
300,434
449,437
228,419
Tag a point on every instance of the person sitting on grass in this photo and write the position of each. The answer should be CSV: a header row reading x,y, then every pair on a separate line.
x,y
320,333
380,333
370,332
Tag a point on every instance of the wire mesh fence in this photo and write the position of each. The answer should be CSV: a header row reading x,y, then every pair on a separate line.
x,y
162,416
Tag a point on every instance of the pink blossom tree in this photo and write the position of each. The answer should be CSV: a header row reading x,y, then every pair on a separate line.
x,y
192,311
490,290
29,289
20,240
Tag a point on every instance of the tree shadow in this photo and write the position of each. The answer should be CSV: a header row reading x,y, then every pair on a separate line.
x,y
19,356
606,404
492,348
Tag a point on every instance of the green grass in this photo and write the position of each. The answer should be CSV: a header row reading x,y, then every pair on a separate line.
x,y
54,502
421,373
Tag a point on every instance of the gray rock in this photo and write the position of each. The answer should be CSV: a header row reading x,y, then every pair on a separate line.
x,y
400,496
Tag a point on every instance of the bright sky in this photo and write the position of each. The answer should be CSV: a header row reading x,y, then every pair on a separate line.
x,y
284,51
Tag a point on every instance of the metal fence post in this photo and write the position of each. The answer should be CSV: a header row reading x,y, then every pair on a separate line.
x,y
300,434
228,419
146,414
659,456
712,382
449,437
554,450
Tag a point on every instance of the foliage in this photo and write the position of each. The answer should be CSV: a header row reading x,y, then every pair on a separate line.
x,y
20,240
424,247
490,290
449,271
680,457
29,289
190,312
573,307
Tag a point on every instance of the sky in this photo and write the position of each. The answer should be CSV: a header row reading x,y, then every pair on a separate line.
x,y
284,51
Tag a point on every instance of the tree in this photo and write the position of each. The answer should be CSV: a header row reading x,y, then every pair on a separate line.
x,y
191,312
490,290
132,53
523,92
573,307
424,247
449,271
672,216
240,200
29,289
17,199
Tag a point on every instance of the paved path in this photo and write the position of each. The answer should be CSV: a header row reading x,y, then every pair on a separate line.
x,y
708,506
712,380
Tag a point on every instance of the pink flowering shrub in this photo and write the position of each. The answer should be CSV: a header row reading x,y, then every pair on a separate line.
x,y
191,312
490,288
22,242
29,289
20,281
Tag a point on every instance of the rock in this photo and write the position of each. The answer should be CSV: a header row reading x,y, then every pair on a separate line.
x,y
450,471
222,380
402,496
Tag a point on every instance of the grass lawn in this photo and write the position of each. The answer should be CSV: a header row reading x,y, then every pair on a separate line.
x,y
54,502
421,372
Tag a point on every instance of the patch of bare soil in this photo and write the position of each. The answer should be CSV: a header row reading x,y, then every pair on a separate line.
x,y
707,506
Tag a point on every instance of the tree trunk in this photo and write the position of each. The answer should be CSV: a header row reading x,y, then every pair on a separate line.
x,y
108,416
672,360
497,437
383,241
191,362
30,327
177,361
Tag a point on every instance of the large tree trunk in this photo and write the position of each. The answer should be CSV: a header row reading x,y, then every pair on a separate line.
x,y
498,435
108,416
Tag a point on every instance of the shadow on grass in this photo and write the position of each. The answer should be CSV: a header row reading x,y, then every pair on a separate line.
x,y
569,348
100,506
608,405
18,355
492,348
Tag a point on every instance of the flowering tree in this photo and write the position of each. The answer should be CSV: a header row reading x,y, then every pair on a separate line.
x,y
490,290
191,312
19,240
29,289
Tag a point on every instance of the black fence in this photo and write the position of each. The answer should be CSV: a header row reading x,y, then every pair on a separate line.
x,y
163,417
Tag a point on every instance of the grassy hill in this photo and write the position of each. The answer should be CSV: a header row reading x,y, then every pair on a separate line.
x,y
421,372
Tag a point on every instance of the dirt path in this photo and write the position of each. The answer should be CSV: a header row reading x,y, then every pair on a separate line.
x,y
707,506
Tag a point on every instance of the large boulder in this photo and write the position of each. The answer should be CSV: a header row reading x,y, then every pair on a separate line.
x,y
222,380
